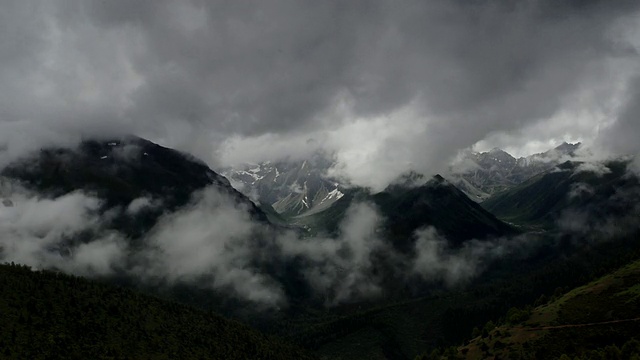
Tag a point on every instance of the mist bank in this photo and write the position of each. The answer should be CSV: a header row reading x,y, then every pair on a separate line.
x,y
214,242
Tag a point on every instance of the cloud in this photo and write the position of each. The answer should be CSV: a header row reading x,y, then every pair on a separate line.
x,y
211,242
619,137
436,261
605,216
340,269
214,243
43,233
580,189
412,84
102,256
594,167
634,166
142,203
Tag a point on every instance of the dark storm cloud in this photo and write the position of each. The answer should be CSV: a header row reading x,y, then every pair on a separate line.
x,y
622,136
195,73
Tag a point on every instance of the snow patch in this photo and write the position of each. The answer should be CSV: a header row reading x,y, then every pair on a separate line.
x,y
255,177
256,169
334,194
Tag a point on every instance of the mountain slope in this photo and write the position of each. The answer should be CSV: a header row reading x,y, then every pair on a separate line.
x,y
605,191
417,326
55,316
290,187
406,209
587,321
120,171
488,173
440,204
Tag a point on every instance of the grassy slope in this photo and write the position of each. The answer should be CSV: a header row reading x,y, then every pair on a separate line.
x,y
51,315
603,312
540,200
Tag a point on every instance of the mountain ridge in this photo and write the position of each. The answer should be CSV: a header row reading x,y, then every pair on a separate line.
x,y
487,173
290,187
121,171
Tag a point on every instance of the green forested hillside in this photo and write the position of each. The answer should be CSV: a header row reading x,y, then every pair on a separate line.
x,y
48,315
600,320
542,199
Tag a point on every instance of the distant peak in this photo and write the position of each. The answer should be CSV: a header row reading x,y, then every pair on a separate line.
x,y
497,153
567,147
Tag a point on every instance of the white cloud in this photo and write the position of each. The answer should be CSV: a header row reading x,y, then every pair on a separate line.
x,y
340,269
594,167
142,203
213,237
42,233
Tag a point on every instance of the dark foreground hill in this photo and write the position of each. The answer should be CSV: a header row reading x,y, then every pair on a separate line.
x,y
47,315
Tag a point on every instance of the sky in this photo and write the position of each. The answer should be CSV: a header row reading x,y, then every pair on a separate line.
x,y
385,86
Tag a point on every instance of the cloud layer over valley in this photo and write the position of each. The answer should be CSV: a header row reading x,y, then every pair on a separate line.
x,y
382,87
214,243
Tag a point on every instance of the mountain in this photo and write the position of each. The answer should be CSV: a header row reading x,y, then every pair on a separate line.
x,y
434,323
576,212
440,204
486,173
122,170
436,203
54,316
590,192
291,188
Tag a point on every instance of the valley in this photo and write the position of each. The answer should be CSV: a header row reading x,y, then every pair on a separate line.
x,y
434,264
326,180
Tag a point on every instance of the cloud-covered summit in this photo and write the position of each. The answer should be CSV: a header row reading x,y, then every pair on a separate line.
x,y
387,86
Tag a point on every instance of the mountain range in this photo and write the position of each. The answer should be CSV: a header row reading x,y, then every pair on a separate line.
x,y
291,188
573,194
549,223
482,174
300,192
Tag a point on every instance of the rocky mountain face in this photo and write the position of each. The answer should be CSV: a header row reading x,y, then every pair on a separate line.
x,y
486,173
291,188
296,189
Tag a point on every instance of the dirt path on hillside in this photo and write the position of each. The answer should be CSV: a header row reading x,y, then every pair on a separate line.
x,y
576,325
